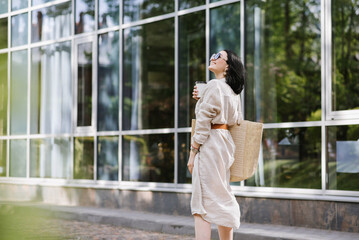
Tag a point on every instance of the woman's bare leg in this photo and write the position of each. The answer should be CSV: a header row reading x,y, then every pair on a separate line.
x,y
225,233
202,228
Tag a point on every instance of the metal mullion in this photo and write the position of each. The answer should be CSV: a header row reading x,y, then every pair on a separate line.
x,y
4,15
18,12
342,122
48,4
94,97
176,94
50,42
222,3
292,124
149,20
109,133
242,26
148,131
328,57
207,37
74,88
323,105
28,91
19,48
96,15
8,92
108,29
191,10
120,32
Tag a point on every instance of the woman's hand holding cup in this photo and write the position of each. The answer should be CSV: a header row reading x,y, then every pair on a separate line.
x,y
195,93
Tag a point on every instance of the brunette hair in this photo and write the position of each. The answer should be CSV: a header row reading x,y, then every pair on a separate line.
x,y
236,75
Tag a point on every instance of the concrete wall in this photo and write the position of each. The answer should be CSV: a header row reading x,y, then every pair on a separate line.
x,y
339,216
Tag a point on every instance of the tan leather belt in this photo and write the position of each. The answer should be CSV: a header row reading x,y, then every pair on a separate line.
x,y
219,126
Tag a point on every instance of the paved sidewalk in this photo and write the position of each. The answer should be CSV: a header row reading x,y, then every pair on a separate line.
x,y
168,224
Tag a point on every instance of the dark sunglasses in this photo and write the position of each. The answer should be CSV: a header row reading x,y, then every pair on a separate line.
x,y
215,56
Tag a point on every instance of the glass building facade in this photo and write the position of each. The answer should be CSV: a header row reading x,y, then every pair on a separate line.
x,y
99,91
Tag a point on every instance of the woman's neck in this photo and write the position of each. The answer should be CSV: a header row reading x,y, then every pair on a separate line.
x,y
219,75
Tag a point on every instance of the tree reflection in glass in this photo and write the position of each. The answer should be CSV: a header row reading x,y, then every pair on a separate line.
x,y
148,158
184,144
289,158
84,158
3,150
18,93
19,30
3,93
148,76
192,63
283,61
84,85
51,89
50,158
225,30
18,158
85,16
108,81
4,6
51,23
108,13
343,157
183,4
345,55
107,158
4,35
141,9
18,4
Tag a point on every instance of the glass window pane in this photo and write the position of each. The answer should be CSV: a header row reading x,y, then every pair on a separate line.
x,y
283,48
3,150
225,30
19,30
141,9
108,15
343,157
51,23
38,2
108,82
3,30
18,92
84,158
51,89
192,62
184,144
183,4
84,84
50,158
148,158
289,158
18,4
18,158
3,94
345,55
4,6
148,85
107,158
85,16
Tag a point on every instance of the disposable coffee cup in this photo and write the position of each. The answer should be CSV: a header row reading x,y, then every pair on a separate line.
x,y
200,87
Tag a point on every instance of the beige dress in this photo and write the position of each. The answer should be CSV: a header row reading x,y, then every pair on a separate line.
x,y
212,197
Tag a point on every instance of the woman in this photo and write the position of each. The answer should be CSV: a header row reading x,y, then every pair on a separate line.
x,y
212,149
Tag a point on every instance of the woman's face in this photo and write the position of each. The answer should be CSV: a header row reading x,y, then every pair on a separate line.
x,y
218,66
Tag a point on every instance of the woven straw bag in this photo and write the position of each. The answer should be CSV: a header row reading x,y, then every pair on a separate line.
x,y
247,137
